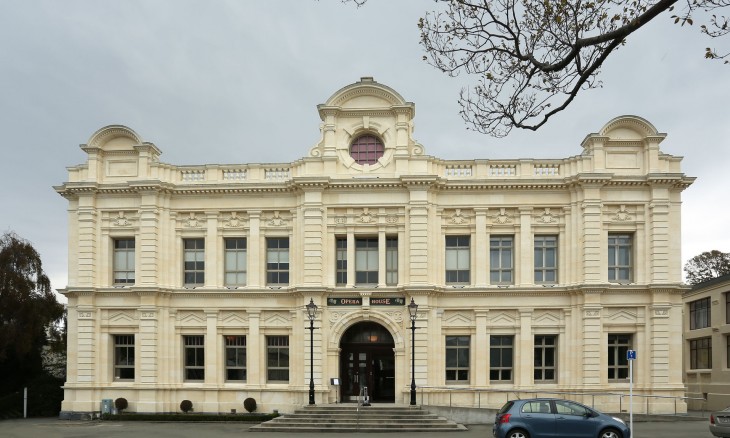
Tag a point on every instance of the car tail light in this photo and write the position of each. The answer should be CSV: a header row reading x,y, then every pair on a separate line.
x,y
504,418
712,419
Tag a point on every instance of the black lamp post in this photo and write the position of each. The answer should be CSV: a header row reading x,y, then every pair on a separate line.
x,y
311,313
413,312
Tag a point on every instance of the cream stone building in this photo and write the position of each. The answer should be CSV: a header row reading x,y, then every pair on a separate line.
x,y
707,344
190,282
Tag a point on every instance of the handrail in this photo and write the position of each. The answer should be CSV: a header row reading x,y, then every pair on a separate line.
x,y
362,400
452,389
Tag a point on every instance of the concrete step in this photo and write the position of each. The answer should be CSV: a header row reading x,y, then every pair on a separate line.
x,y
340,418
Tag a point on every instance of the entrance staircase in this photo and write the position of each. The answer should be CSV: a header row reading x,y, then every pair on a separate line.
x,y
344,418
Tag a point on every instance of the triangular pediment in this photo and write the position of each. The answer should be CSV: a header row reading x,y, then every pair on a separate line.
x,y
623,315
503,318
122,317
546,318
192,318
458,319
234,318
276,319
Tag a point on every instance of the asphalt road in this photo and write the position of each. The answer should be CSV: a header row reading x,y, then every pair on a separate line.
x,y
54,428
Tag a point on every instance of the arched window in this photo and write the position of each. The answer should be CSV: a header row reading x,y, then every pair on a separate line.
x,y
366,149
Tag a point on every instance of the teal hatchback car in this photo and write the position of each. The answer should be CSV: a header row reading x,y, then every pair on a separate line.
x,y
555,418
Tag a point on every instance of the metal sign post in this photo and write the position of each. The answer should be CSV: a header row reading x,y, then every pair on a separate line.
x,y
631,357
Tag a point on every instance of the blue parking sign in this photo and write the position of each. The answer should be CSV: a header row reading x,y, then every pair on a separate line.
x,y
631,354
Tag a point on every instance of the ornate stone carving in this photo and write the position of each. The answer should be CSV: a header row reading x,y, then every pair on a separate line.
x,y
391,219
592,313
340,220
458,218
276,220
546,217
194,221
622,215
503,217
120,220
366,217
233,220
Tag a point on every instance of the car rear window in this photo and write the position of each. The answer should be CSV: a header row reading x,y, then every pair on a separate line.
x,y
506,407
537,407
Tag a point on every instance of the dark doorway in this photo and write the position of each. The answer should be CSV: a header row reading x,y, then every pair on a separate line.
x,y
367,359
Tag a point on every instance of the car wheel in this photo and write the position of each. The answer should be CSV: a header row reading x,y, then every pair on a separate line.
x,y
518,433
610,433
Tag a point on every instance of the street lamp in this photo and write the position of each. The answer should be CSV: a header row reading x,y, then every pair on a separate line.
x,y
413,312
311,313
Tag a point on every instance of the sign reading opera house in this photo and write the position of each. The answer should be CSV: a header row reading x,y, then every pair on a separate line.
x,y
190,282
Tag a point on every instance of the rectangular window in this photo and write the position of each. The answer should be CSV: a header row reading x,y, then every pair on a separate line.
x,y
341,257
123,357
277,358
727,351
123,261
194,262
277,260
366,261
618,364
545,348
235,262
194,357
500,358
501,256
457,359
700,354
546,259
727,310
619,258
458,260
235,358
699,314
391,260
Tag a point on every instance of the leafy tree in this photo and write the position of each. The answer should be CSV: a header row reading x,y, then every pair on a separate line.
x,y
706,266
532,57
29,312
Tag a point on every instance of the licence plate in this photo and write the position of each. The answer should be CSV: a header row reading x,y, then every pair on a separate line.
x,y
723,420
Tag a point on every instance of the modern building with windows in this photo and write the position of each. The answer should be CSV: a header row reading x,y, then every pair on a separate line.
x,y
707,344
191,282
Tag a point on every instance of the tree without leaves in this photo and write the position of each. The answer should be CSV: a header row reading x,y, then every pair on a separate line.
x,y
29,311
532,57
706,266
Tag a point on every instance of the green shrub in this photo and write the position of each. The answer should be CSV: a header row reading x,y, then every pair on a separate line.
x,y
186,406
121,404
249,404
254,418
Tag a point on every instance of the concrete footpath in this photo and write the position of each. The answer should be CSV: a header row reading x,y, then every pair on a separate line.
x,y
54,428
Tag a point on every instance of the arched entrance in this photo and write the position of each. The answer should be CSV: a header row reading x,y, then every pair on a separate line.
x,y
367,359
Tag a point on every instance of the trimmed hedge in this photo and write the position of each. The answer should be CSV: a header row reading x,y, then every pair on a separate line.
x,y
259,418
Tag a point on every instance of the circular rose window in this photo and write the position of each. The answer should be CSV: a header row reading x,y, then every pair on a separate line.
x,y
366,149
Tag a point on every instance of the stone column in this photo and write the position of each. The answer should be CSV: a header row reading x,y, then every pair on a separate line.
x,y
481,349
256,349
256,264
525,344
525,260
594,246
593,353
148,242
212,348
481,249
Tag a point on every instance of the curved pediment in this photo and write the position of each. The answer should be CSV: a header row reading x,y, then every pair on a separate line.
x,y
628,128
114,137
365,94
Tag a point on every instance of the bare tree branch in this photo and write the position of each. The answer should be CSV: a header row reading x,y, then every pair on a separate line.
x,y
531,58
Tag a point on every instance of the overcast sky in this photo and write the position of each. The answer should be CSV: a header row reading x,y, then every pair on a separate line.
x,y
238,82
